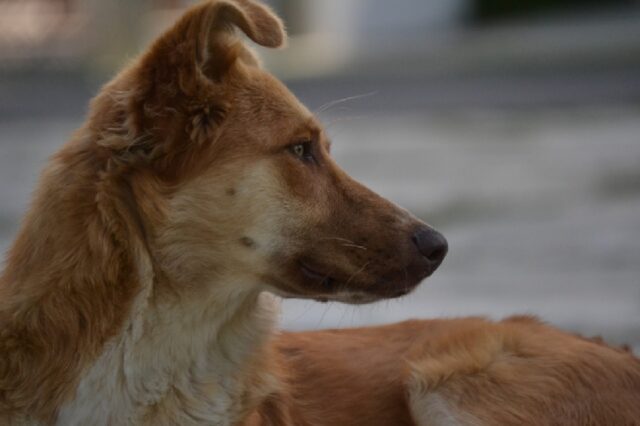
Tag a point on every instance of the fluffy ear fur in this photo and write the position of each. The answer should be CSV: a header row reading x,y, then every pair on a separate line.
x,y
175,93
202,42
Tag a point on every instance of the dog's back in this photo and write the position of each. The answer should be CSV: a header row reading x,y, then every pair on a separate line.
x,y
467,371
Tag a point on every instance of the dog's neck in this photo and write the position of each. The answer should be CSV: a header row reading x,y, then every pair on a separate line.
x,y
191,348
83,302
181,359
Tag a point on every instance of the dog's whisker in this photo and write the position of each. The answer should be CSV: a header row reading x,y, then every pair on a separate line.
x,y
326,309
307,307
355,246
346,242
344,312
335,102
336,239
357,272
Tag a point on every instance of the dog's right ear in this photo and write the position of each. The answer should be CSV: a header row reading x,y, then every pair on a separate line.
x,y
180,80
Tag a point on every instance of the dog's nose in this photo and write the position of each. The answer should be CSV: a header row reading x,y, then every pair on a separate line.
x,y
431,244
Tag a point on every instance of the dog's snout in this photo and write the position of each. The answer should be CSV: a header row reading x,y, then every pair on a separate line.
x,y
431,244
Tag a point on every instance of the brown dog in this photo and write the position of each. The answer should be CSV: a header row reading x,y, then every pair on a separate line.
x,y
138,289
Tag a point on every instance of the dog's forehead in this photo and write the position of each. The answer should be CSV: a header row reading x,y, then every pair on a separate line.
x,y
268,95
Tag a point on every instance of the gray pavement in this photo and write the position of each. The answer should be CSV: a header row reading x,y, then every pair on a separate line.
x,y
541,205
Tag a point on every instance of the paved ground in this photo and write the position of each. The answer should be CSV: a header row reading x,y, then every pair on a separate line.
x,y
541,205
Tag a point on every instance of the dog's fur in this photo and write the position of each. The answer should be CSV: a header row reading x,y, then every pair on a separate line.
x,y
138,289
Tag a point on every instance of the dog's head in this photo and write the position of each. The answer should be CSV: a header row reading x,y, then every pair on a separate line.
x,y
233,177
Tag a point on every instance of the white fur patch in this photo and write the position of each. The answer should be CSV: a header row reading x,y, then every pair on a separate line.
x,y
174,366
432,408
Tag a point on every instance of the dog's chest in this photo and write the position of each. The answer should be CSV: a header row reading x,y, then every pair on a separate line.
x,y
111,393
193,377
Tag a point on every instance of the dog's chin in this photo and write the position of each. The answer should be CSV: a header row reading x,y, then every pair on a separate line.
x,y
346,296
309,283
352,291
356,297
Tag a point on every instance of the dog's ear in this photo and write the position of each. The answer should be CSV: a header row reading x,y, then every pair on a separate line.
x,y
202,40
177,88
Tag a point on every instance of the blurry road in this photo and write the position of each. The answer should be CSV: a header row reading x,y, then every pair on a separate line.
x,y
540,201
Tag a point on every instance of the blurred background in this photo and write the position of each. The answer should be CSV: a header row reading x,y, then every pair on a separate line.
x,y
512,127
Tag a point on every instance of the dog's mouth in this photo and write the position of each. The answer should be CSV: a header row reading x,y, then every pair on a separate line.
x,y
315,275
325,286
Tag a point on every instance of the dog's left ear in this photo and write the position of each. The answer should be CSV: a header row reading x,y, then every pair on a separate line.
x,y
177,89
202,42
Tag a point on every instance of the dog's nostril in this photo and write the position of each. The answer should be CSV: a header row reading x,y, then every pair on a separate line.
x,y
431,244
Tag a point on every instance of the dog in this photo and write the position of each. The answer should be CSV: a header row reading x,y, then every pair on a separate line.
x,y
143,285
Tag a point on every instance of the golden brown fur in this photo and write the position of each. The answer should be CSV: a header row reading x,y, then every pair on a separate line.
x,y
133,293
515,372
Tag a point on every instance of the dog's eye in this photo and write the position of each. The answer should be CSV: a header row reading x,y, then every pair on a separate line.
x,y
303,151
